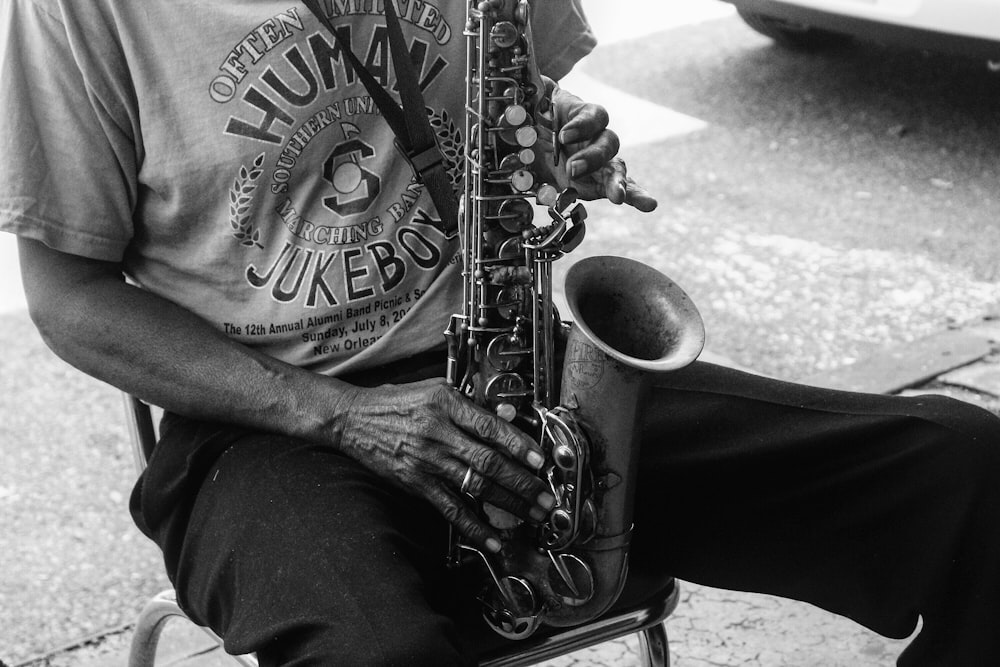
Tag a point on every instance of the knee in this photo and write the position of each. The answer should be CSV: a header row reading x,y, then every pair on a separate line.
x,y
968,440
976,425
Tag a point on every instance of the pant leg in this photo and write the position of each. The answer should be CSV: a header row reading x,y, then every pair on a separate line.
x,y
876,508
301,555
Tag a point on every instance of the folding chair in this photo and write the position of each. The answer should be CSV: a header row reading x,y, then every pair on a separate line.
x,y
645,617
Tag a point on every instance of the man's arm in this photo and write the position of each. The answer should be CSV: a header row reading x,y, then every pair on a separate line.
x,y
421,436
147,346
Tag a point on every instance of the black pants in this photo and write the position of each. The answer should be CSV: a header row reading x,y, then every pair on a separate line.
x,y
881,509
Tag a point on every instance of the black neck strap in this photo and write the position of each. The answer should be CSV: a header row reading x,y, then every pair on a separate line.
x,y
414,134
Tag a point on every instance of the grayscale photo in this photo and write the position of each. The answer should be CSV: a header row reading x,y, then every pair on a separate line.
x,y
431,333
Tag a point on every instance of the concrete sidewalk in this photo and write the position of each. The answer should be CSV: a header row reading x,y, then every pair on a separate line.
x,y
710,627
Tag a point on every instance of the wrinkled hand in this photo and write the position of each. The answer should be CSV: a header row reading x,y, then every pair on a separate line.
x,y
425,436
589,151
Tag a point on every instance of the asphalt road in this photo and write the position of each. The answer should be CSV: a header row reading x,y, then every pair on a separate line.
x,y
833,203
816,207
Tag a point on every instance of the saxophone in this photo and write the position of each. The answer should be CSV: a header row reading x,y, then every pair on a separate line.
x,y
630,322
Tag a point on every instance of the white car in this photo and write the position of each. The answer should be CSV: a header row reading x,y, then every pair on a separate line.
x,y
963,27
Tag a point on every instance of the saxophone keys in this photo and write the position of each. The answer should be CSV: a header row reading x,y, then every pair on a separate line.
x,y
509,303
505,34
522,180
505,354
574,236
517,138
515,215
511,163
506,412
565,200
565,457
516,127
506,388
572,579
546,194
561,520
587,522
512,610
560,530
522,12
487,6
526,137
514,95
514,115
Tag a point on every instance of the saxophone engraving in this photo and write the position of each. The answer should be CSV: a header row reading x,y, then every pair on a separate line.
x,y
630,322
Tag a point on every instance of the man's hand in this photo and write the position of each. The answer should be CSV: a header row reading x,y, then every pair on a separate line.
x,y
425,437
588,153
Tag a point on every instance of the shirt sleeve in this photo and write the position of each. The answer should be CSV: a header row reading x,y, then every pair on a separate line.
x,y
562,36
69,169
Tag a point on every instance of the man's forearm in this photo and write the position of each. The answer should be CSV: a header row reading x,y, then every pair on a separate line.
x,y
167,355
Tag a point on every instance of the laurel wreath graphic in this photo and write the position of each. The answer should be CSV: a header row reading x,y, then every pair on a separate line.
x,y
451,145
240,198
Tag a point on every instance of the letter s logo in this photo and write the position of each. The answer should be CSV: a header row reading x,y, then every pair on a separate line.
x,y
357,187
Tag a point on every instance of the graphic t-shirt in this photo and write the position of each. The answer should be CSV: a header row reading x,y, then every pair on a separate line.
x,y
227,153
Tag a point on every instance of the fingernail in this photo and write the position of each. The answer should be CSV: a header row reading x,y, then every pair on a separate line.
x,y
576,168
535,460
493,545
538,514
546,500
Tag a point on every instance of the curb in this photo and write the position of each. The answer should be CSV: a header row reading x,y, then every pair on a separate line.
x,y
922,361
77,646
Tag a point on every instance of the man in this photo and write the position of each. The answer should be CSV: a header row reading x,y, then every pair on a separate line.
x,y
295,280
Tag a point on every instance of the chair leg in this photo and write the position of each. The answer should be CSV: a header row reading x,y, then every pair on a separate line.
x,y
152,619
654,650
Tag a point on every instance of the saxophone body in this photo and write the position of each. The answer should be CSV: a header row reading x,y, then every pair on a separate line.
x,y
631,322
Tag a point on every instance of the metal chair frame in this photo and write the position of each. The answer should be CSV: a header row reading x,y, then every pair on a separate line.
x,y
647,619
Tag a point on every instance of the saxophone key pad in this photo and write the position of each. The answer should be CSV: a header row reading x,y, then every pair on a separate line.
x,y
505,34
571,579
515,214
515,115
505,354
526,136
505,388
522,180
506,412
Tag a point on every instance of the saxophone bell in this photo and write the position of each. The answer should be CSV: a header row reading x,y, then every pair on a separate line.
x,y
631,322
634,314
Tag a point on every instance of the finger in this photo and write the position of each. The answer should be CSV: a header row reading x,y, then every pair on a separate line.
x,y
533,502
483,489
619,188
496,451
494,465
475,530
593,156
639,197
615,181
491,430
583,122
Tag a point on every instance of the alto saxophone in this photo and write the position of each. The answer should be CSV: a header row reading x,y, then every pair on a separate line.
x,y
630,322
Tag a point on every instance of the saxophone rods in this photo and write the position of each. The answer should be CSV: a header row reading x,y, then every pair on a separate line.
x,y
631,322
